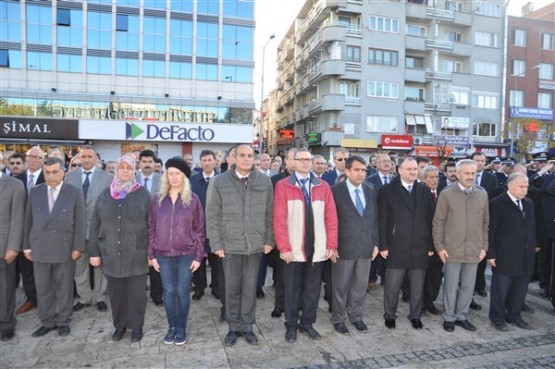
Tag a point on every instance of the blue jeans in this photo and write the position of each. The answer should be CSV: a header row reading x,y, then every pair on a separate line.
x,y
176,283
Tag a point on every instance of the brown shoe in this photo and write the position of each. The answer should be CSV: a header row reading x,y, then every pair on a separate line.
x,y
28,305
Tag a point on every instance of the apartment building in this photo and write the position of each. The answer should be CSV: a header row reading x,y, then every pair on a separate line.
x,y
408,76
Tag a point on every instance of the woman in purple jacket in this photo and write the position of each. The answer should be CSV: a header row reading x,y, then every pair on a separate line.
x,y
176,244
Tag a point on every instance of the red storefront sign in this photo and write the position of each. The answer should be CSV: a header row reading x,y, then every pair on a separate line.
x,y
397,142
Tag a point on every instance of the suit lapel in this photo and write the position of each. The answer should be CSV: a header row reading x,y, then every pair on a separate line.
x,y
3,183
59,203
347,197
404,195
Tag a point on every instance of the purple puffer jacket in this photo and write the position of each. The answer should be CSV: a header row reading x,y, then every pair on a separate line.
x,y
176,229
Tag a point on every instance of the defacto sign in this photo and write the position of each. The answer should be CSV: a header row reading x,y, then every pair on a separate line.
x,y
116,130
397,142
42,128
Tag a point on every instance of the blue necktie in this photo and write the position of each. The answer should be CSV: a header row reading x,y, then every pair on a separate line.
x,y
86,184
409,187
358,202
305,192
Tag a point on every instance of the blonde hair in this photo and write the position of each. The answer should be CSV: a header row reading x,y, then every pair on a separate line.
x,y
186,193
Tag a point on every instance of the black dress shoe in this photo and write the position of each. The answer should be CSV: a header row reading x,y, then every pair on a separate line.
x,y
136,335
42,331
519,323
215,294
276,313
291,335
500,326
64,331
118,334
405,298
481,292
310,332
465,324
544,292
341,328
390,323
101,306
79,306
197,295
449,326
416,323
231,338
475,306
7,334
250,337
360,326
260,293
158,302
433,310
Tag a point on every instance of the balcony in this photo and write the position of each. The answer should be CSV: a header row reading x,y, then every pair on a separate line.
x,y
463,18
319,12
415,43
327,35
434,43
415,75
438,76
462,49
330,67
414,107
438,13
416,11
438,107
328,102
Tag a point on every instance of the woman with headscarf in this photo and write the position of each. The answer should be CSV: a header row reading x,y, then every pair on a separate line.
x,y
176,244
118,244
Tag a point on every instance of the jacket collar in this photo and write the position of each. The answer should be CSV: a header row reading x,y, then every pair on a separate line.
x,y
314,181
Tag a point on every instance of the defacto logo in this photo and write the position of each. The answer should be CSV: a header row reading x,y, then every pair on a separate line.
x,y
179,133
132,130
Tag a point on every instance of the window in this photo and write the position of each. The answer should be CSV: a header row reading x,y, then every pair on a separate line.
x,y
413,93
546,71
380,123
239,9
237,42
384,24
127,67
486,69
154,35
182,6
449,66
519,37
547,41
519,68
488,7
127,35
350,89
383,89
414,30
544,100
10,59
39,25
207,39
208,7
69,63
158,4
459,96
39,60
208,72
232,73
181,70
353,54
453,36
454,6
484,100
4,58
486,39
384,57
10,22
413,62
418,124
99,65
154,68
516,98
181,37
484,129
99,30
71,32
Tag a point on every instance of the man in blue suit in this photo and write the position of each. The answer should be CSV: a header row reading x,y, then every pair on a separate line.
x,y
340,155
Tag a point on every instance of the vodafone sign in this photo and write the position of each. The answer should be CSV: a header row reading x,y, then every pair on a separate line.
x,y
397,142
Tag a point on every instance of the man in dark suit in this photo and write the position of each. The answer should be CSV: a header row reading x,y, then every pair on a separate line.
x,y
31,177
340,155
92,181
357,213
548,202
381,177
16,163
12,198
54,237
488,182
406,212
199,185
512,243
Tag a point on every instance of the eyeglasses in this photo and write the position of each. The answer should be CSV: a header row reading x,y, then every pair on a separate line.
x,y
16,163
76,165
34,157
304,160
340,159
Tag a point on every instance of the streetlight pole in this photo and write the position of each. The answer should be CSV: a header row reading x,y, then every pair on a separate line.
x,y
260,123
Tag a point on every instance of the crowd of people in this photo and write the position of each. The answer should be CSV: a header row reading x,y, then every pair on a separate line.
x,y
82,232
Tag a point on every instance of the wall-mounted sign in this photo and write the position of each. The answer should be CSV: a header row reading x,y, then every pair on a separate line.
x,y
534,113
451,140
313,138
287,133
455,123
32,128
396,142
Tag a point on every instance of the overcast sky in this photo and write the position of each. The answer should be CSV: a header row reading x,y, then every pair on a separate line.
x,y
276,16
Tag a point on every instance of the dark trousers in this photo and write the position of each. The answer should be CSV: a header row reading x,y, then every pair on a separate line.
x,y
544,263
7,295
305,277
507,296
25,267
241,272
128,300
262,272
432,283
480,283
54,283
326,278
215,267
221,279
199,278
377,269
279,293
393,281
155,284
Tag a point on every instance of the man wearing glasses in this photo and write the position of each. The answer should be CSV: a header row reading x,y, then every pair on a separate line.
x,y
31,177
339,156
16,164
